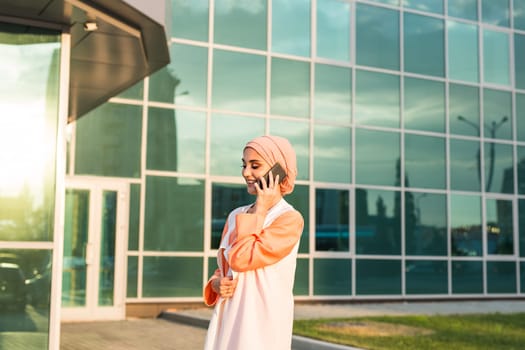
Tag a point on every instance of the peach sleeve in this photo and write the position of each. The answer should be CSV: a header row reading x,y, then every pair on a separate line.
x,y
255,247
210,297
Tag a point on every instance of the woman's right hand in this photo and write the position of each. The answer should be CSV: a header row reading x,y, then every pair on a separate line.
x,y
224,286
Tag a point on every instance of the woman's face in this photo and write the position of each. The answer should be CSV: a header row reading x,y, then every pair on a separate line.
x,y
253,168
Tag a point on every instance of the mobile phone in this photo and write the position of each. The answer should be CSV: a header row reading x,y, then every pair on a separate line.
x,y
276,169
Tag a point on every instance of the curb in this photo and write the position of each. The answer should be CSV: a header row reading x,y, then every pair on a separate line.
x,y
298,342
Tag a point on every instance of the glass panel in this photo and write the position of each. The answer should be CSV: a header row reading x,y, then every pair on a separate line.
x,y
379,277
117,128
495,12
463,51
173,214
389,2
299,199
132,277
377,37
464,110
501,277
25,286
500,227
426,277
298,133
425,161
333,30
190,19
301,277
106,280
239,82
75,245
521,169
332,277
291,27
497,113
467,277
134,217
331,220
240,23
29,67
519,59
465,165
176,140
333,93
136,92
519,14
520,117
496,61
183,81
332,154
425,224
377,156
466,9
424,43
290,88
435,6
378,222
521,227
377,99
522,280
172,277
499,168
424,107
465,225
227,143
225,198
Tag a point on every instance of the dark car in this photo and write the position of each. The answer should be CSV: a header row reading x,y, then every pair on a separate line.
x,y
13,293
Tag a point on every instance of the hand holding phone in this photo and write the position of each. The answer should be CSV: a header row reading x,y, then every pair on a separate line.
x,y
277,169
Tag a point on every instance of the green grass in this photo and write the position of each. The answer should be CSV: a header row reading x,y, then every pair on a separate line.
x,y
455,332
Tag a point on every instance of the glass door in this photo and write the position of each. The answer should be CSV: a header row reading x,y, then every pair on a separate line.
x,y
95,238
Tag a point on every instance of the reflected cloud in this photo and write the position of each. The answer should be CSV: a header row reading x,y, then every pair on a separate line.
x,y
251,6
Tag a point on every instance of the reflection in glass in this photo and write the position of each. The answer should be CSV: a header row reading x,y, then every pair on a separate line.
x,y
176,140
290,88
377,99
463,106
377,156
227,143
134,217
522,278
424,107
132,277
225,198
519,59
424,45
377,37
117,128
291,27
497,113
302,277
519,16
239,81
425,5
171,276
240,23
378,222
520,117
183,81
520,164
467,277
501,277
190,19
496,60
500,227
465,225
465,165
426,277
495,12
333,30
425,161
173,214
332,277
136,92
521,227
377,277
389,2
333,93
332,220
332,153
463,51
425,224
499,168
106,274
466,9
298,133
299,200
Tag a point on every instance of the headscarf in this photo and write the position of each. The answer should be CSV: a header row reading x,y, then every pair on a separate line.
x,y
275,149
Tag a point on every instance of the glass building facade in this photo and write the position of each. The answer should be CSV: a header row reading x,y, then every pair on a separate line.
x,y
408,118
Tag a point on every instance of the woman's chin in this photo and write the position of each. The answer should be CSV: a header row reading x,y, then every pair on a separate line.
x,y
250,188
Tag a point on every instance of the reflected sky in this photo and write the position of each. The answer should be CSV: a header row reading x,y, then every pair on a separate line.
x,y
467,9
496,61
291,27
424,105
463,51
333,30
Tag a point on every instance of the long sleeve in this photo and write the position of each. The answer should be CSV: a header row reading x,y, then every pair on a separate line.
x,y
210,297
255,247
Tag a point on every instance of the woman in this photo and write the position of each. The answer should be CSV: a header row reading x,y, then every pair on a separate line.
x,y
252,288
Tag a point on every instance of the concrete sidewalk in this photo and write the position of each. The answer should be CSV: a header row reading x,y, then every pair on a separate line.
x,y
185,329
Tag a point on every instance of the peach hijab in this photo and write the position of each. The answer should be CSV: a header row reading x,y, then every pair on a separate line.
x,y
275,149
